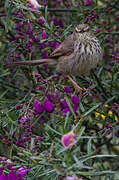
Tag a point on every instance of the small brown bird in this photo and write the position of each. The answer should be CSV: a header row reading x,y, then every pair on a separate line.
x,y
76,55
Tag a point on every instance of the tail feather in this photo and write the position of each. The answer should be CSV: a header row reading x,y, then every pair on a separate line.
x,y
33,62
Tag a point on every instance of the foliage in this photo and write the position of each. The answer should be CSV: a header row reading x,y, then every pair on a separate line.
x,y
38,106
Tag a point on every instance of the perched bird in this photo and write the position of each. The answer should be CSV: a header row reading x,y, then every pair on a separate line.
x,y
76,55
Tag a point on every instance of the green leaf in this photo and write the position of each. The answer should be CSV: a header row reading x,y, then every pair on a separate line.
x,y
70,107
92,109
93,173
89,145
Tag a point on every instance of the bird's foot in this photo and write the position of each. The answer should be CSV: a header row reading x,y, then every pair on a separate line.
x,y
76,86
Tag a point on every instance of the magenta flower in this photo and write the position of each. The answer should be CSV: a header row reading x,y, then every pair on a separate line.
x,y
41,21
1,170
12,176
61,23
68,139
34,4
73,178
75,100
98,30
44,54
57,45
23,170
88,2
44,35
49,107
42,45
55,21
38,107
67,89
10,167
3,177
51,43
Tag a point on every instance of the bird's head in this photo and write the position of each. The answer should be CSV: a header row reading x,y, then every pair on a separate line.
x,y
82,28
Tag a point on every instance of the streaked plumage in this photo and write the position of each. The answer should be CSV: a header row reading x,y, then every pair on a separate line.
x,y
76,55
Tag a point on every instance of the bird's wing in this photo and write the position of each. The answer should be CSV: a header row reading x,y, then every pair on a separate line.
x,y
65,48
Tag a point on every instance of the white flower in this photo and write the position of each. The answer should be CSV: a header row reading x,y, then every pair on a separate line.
x,y
34,4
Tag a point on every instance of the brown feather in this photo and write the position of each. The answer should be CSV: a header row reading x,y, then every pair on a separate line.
x,y
66,47
33,62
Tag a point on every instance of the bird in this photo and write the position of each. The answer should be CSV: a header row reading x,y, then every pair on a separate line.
x,y
76,55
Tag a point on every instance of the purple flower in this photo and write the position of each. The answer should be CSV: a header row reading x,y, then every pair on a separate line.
x,y
55,21
68,139
73,178
18,107
57,44
68,3
45,3
75,100
109,69
59,1
51,43
117,17
15,13
74,108
98,30
61,23
34,4
108,125
38,39
66,110
1,170
116,134
44,54
91,88
12,176
41,138
49,107
10,166
70,178
20,16
38,107
41,21
88,2
23,170
3,177
42,45
91,82
19,26
65,103
67,89
44,35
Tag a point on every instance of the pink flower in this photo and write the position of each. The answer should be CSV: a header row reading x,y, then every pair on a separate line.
x,y
34,4
98,30
13,176
3,177
88,2
57,45
73,178
68,139
23,170
41,21
49,107
44,54
44,35
75,100
38,107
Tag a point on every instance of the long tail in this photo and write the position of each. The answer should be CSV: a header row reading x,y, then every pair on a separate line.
x,y
33,62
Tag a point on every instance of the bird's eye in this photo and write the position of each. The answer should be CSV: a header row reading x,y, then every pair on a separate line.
x,y
82,30
77,30
85,29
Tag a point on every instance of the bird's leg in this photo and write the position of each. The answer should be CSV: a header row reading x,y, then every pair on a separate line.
x,y
76,86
